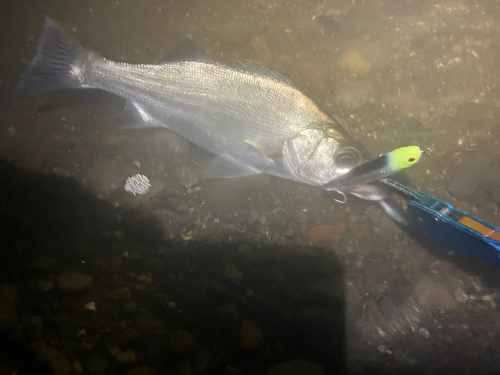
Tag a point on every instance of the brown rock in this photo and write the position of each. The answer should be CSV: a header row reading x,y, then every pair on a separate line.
x,y
181,341
251,336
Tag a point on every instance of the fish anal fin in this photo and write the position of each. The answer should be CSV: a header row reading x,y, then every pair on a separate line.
x,y
220,168
134,117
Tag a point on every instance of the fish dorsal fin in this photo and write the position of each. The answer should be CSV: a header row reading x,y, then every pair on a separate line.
x,y
185,49
220,168
249,66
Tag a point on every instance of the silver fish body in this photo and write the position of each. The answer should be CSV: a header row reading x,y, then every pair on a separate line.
x,y
252,119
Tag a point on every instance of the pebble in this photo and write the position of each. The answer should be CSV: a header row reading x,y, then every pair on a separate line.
x,y
62,172
187,177
253,216
431,294
73,282
45,285
181,341
355,62
147,322
424,332
329,23
90,306
261,48
333,12
57,362
127,356
251,335
77,367
233,273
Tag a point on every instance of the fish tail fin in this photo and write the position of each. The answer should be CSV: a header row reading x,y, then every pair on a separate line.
x,y
59,62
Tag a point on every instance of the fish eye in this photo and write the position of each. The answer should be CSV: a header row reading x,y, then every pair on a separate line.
x,y
346,159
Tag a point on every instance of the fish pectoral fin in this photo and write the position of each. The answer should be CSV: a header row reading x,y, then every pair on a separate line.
x,y
220,168
185,49
135,117
264,152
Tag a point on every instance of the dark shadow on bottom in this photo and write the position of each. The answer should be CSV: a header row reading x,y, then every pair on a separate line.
x,y
198,308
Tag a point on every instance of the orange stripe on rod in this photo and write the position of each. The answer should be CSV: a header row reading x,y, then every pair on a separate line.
x,y
478,227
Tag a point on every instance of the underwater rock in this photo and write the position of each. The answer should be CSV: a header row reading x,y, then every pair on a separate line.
x,y
431,294
127,356
106,176
233,273
253,216
187,177
251,336
352,94
73,282
181,342
57,362
147,322
260,46
355,62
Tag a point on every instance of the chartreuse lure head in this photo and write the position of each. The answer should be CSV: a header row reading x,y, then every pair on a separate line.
x,y
403,157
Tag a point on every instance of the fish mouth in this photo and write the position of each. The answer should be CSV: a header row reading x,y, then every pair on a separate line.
x,y
362,174
375,169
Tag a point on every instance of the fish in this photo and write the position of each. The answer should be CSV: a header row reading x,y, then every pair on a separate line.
x,y
253,119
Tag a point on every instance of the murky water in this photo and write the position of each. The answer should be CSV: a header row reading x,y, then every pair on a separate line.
x,y
252,275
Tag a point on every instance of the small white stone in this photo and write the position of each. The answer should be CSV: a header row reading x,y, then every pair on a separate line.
x,y
90,306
